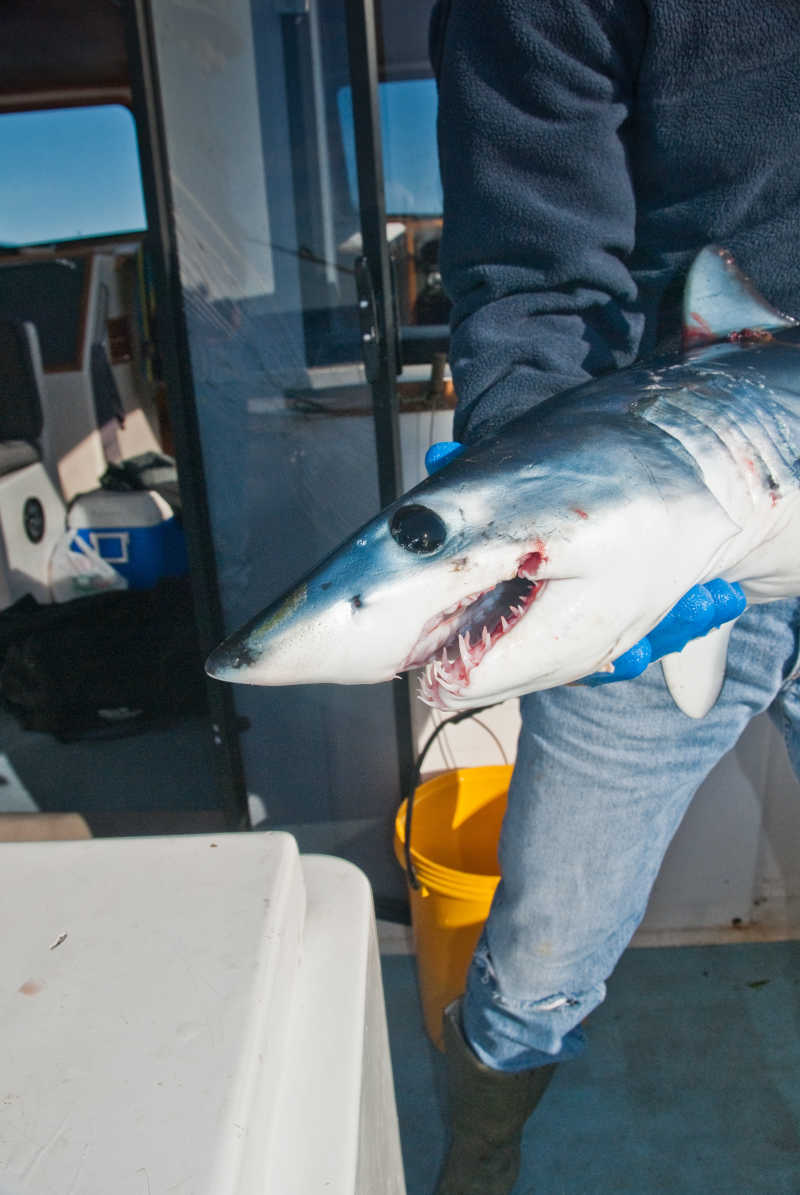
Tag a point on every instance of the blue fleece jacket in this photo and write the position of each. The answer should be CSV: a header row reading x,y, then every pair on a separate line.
x,y
589,148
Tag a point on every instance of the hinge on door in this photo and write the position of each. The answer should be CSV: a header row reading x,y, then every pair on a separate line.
x,y
367,319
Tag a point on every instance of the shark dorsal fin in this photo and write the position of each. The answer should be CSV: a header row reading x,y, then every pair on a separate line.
x,y
719,301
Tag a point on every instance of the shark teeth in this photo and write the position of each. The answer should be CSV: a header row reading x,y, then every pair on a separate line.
x,y
443,675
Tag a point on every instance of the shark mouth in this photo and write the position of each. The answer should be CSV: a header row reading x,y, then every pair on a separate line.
x,y
453,643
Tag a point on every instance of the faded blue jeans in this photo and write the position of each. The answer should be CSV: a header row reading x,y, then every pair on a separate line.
x,y
602,780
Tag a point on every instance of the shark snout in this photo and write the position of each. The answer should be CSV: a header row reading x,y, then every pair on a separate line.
x,y
227,661
307,640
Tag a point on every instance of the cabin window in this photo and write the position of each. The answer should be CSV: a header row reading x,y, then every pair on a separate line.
x,y
69,174
408,132
413,196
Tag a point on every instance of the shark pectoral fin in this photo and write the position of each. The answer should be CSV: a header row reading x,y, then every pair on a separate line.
x,y
694,676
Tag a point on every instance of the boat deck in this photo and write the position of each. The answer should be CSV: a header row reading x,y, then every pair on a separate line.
x,y
690,1085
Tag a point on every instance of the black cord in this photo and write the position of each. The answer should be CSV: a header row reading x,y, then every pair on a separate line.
x,y
410,871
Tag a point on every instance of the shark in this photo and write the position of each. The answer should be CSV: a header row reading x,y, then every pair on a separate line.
x,y
543,552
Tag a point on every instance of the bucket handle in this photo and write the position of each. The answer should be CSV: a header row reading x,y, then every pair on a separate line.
x,y
415,775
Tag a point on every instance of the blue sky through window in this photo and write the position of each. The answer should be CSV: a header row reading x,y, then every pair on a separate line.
x,y
69,173
408,133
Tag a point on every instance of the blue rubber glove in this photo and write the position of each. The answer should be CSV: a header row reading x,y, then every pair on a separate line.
x,y
698,611
440,453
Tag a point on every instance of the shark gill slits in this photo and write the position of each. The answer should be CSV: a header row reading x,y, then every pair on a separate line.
x,y
418,529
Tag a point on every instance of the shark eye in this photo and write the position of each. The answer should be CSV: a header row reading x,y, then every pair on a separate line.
x,y
418,529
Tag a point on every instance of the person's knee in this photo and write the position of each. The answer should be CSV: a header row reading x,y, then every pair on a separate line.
x,y
515,1031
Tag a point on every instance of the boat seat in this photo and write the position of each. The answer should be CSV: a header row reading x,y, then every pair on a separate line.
x,y
20,385
16,454
31,508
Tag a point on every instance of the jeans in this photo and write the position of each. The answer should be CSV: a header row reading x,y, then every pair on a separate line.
x,y
602,780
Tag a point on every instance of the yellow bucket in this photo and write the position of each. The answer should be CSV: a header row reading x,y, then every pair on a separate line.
x,y
455,830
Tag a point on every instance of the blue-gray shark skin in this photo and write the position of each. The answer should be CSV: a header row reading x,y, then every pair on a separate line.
x,y
543,553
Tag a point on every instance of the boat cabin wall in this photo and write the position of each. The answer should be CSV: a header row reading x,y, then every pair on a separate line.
x,y
78,442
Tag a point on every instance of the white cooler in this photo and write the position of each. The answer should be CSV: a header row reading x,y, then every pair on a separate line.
x,y
193,1016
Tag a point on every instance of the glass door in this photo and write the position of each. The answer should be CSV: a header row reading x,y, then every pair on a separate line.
x,y
270,121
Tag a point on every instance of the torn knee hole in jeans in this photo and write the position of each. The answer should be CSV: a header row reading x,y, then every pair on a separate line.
x,y
488,976
551,1003
544,1004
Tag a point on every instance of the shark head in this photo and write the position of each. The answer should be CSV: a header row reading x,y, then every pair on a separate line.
x,y
516,567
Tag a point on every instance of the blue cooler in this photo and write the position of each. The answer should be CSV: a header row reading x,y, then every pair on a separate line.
x,y
136,532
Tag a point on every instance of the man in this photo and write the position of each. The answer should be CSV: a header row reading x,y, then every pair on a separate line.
x,y
589,149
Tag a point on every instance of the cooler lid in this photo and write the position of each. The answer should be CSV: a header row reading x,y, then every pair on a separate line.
x,y
145,990
118,508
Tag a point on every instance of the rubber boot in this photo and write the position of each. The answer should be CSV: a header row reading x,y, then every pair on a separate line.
x,y
488,1109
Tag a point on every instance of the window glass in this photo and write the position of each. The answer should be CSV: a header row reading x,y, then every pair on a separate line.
x,y
408,132
267,235
69,174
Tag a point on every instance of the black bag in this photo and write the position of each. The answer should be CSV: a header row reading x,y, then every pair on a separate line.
x,y
114,662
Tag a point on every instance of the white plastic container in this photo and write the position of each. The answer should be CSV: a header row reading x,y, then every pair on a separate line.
x,y
136,532
199,1014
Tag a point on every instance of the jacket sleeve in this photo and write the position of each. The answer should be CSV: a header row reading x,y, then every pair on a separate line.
x,y
535,98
